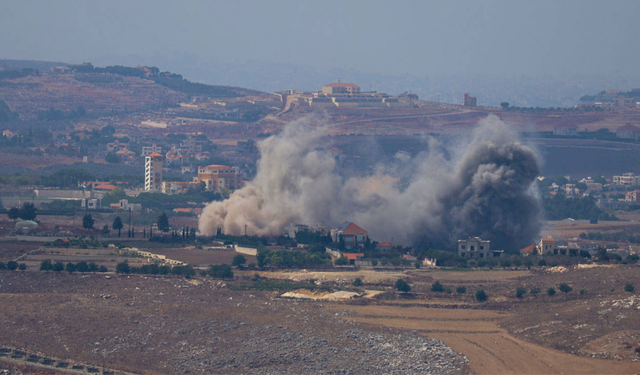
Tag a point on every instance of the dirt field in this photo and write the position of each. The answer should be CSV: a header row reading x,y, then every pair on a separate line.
x,y
212,326
200,257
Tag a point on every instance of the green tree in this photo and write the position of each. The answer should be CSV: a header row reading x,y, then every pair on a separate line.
x,y
220,271
112,158
504,105
117,224
123,267
357,282
534,291
461,290
12,265
481,296
629,288
46,265
565,288
163,222
403,286
103,269
87,222
92,267
520,292
82,267
3,266
14,213
22,266
28,211
71,268
238,261
342,261
58,267
437,287
105,230
551,291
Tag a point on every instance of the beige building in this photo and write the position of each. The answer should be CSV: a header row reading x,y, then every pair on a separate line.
x,y
153,172
217,177
474,248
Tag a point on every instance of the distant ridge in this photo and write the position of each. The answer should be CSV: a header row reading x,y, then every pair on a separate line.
x,y
43,66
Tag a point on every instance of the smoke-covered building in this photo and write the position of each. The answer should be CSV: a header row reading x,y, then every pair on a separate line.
x,y
351,234
477,248
217,177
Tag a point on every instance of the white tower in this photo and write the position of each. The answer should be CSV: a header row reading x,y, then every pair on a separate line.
x,y
153,172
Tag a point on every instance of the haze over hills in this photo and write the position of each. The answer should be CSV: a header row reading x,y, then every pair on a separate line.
x,y
521,90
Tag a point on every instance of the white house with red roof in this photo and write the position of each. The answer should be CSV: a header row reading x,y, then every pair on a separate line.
x,y
351,234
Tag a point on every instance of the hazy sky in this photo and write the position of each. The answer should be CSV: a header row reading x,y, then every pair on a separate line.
x,y
389,37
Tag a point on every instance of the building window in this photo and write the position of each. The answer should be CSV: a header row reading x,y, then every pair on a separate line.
x,y
473,247
462,247
481,247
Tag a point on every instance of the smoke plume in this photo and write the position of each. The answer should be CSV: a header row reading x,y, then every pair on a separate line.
x,y
482,186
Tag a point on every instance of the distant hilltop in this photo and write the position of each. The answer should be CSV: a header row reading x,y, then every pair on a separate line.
x,y
349,95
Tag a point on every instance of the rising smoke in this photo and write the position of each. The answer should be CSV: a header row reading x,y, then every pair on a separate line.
x,y
483,186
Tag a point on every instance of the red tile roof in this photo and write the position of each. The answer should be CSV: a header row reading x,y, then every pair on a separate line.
x,y
353,256
384,244
529,249
154,154
105,187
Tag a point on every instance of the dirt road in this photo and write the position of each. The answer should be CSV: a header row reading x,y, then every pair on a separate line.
x,y
489,348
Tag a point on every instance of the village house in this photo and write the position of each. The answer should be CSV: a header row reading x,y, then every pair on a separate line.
x,y
115,146
632,196
384,246
351,234
477,248
565,130
628,131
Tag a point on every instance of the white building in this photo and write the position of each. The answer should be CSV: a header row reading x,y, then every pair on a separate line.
x,y
477,248
626,179
126,206
153,172
148,150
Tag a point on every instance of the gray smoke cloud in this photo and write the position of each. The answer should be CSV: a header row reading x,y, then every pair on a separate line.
x,y
481,186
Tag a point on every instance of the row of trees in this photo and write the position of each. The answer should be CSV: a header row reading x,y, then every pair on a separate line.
x,y
218,271
48,265
12,265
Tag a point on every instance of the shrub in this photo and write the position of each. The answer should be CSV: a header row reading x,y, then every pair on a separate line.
x,y
342,261
520,292
92,267
403,286
3,266
103,269
417,265
46,265
70,267
629,288
437,287
542,263
481,296
58,266
461,290
482,263
82,267
528,263
123,267
22,266
551,291
12,265
534,291
565,288
448,290
374,262
357,282
505,263
238,261
220,271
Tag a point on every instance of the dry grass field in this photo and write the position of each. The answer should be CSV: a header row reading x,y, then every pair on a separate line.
x,y
169,324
